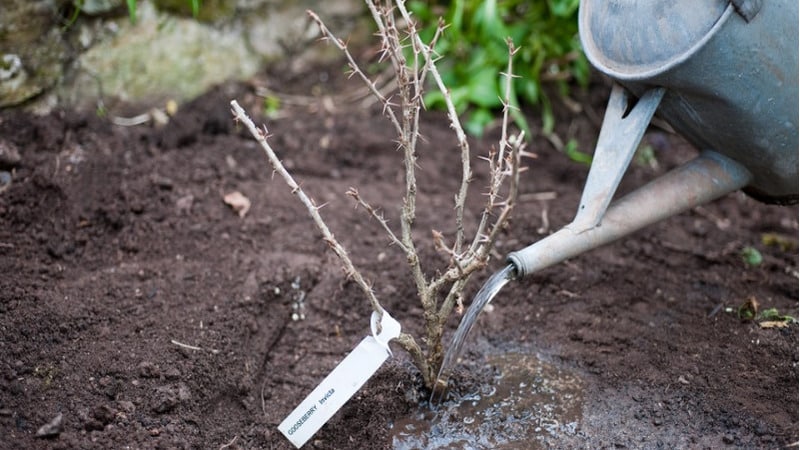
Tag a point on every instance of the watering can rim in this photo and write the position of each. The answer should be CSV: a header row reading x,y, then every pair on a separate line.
x,y
622,71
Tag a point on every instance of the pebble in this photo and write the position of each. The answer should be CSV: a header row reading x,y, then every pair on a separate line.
x,y
52,428
126,406
148,369
5,180
9,155
172,373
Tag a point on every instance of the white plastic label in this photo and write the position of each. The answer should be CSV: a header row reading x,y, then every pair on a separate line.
x,y
343,382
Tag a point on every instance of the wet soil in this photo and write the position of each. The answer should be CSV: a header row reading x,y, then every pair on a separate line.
x,y
144,311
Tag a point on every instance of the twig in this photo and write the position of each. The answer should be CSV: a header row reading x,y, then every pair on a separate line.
x,y
341,45
353,192
455,123
192,347
410,89
230,443
502,166
313,210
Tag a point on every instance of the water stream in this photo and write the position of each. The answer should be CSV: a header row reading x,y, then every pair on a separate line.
x,y
482,298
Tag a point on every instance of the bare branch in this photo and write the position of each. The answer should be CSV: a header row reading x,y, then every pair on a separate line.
x,y
312,209
461,137
355,68
502,167
408,131
353,192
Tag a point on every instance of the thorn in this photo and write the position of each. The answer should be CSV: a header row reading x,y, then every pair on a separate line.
x,y
511,75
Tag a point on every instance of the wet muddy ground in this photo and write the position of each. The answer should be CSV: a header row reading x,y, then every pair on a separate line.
x,y
145,313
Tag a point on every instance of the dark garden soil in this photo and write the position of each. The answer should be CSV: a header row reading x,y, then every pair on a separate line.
x,y
141,308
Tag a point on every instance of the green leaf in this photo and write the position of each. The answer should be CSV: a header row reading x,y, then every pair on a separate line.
x,y
474,50
774,314
272,105
131,10
571,150
751,256
477,121
195,4
563,8
483,89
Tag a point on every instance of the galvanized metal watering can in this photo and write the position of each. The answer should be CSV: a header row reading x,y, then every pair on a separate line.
x,y
722,73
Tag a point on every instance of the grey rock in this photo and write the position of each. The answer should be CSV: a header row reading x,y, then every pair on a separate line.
x,y
52,428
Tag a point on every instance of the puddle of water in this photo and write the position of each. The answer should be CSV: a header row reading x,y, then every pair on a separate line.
x,y
529,404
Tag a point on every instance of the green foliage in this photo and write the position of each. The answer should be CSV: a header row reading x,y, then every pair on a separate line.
x,y
272,105
775,315
751,256
545,31
573,153
131,10
131,5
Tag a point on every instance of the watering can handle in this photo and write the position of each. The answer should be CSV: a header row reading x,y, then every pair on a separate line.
x,y
623,127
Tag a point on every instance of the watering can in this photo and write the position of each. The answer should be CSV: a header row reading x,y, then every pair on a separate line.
x,y
722,73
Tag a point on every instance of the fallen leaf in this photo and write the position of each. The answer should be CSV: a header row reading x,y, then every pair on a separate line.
x,y
773,324
238,202
784,243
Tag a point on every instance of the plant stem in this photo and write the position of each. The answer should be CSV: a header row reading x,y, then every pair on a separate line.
x,y
313,210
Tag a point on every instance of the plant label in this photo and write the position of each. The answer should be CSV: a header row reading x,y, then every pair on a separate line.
x,y
343,382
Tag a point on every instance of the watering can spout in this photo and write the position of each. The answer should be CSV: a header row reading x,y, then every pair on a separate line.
x,y
701,180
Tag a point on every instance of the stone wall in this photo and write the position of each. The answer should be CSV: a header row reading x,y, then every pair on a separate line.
x,y
50,57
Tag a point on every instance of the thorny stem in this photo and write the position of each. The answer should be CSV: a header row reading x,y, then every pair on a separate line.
x,y
327,35
353,192
455,123
261,136
502,167
408,133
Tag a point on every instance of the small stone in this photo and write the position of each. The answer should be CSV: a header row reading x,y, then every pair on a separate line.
x,y
728,439
658,421
162,182
52,428
9,155
93,425
5,180
148,369
184,204
169,397
165,400
172,373
104,414
126,406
